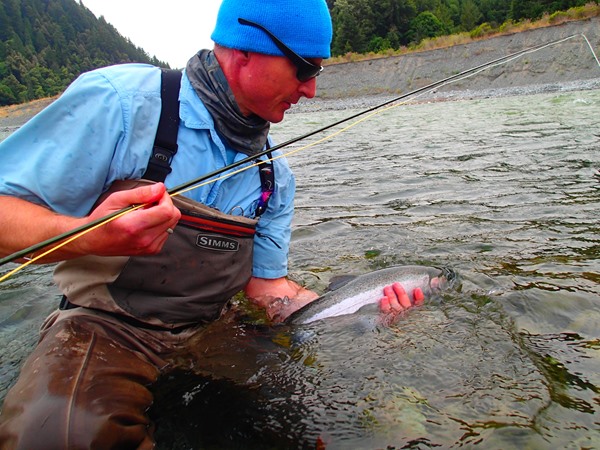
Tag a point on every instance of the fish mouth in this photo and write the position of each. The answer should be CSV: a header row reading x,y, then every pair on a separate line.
x,y
446,279
449,274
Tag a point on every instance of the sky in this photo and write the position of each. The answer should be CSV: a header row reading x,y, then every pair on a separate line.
x,y
171,30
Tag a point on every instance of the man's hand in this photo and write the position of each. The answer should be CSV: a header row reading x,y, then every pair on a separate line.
x,y
395,299
280,297
139,232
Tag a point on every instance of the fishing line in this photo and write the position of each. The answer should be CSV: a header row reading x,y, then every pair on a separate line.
x,y
591,48
227,171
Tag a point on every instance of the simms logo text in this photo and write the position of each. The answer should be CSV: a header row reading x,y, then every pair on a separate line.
x,y
217,243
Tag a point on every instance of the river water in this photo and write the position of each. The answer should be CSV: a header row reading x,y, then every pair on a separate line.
x,y
506,192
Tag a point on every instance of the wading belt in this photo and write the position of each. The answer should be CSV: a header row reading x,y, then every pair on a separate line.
x,y
165,142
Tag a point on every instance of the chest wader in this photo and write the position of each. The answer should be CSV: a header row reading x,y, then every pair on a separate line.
x,y
206,260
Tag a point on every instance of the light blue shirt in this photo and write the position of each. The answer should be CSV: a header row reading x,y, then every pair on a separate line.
x,y
102,129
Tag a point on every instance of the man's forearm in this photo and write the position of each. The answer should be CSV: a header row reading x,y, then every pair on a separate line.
x,y
25,224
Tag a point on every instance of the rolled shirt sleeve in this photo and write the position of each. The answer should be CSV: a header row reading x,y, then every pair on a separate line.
x,y
71,152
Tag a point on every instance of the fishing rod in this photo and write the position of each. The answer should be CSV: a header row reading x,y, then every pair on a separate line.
x,y
253,158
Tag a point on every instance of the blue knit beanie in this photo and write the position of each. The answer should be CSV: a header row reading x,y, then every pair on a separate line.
x,y
302,25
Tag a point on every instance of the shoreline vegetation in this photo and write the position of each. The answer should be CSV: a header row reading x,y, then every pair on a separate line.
x,y
563,57
483,31
363,80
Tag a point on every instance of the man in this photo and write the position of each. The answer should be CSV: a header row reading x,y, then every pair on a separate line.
x,y
138,287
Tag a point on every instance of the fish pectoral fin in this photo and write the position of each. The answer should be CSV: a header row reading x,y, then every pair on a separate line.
x,y
371,308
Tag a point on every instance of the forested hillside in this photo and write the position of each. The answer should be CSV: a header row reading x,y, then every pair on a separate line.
x,y
362,26
45,44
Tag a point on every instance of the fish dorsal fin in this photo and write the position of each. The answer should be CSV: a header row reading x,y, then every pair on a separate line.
x,y
339,281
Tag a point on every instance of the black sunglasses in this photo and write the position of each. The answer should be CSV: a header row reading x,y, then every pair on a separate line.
x,y
306,70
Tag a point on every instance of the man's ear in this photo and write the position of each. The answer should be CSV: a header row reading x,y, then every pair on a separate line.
x,y
241,57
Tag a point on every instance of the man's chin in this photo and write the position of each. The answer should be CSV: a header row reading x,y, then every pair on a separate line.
x,y
277,117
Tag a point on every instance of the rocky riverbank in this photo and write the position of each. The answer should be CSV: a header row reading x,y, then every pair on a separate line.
x,y
14,116
568,64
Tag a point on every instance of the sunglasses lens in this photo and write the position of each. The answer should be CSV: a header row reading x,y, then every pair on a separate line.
x,y
307,72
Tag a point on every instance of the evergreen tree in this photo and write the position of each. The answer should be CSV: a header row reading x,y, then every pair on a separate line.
x,y
376,25
45,45
426,25
470,15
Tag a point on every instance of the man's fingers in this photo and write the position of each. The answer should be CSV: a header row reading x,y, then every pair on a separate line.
x,y
402,296
392,295
148,194
141,195
395,299
418,296
384,305
160,212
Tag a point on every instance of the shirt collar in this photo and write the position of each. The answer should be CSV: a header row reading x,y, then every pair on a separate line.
x,y
192,111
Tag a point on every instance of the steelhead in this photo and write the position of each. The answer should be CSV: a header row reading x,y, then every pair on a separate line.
x,y
368,289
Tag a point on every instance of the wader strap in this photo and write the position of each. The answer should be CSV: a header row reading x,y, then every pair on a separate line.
x,y
165,142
